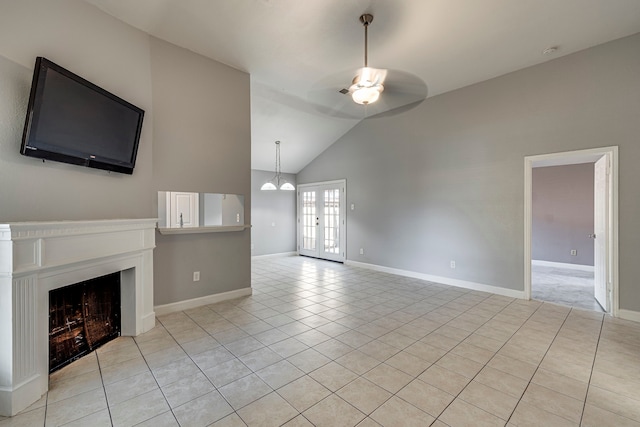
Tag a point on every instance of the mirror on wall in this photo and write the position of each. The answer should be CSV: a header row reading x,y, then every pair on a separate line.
x,y
181,209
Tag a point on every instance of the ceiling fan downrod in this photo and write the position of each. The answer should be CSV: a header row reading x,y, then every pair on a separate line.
x,y
366,19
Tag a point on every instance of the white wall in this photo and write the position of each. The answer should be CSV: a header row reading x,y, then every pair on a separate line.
x,y
445,181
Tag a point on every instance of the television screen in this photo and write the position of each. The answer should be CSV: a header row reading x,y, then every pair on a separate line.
x,y
71,120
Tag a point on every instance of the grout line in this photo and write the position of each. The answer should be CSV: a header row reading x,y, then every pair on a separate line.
x,y
593,364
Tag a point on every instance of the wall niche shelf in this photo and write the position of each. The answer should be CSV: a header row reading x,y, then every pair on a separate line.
x,y
197,230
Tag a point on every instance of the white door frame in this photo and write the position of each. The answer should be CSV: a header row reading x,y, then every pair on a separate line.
x,y
570,158
343,212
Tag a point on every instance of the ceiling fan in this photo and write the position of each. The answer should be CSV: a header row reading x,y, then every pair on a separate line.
x,y
372,91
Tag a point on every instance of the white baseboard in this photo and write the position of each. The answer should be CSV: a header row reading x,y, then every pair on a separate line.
x,y
278,255
562,265
197,302
629,315
443,280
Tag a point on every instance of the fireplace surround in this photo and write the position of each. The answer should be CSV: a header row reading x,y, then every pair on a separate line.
x,y
37,257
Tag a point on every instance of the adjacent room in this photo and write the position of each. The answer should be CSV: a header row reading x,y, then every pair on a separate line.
x,y
319,213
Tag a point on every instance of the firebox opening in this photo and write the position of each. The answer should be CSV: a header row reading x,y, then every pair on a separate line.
x,y
82,317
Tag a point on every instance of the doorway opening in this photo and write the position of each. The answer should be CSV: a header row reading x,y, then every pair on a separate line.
x,y
586,276
322,220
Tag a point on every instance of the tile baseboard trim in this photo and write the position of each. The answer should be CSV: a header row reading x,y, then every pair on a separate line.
x,y
277,255
580,267
198,302
512,293
629,315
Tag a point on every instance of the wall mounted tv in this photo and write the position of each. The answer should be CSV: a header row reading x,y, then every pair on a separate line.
x,y
71,120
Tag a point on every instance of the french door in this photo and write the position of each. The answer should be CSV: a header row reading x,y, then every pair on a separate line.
x,y
321,220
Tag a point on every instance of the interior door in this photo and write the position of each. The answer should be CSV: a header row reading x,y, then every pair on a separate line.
x,y
321,220
601,235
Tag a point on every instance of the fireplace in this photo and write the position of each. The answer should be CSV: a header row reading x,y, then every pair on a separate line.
x,y
82,317
39,257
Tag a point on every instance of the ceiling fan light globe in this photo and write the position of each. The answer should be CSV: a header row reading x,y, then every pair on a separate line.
x,y
366,95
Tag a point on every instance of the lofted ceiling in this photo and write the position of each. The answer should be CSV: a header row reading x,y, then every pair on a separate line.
x,y
288,46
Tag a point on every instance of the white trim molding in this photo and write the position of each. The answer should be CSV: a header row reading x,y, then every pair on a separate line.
x,y
277,255
512,293
161,310
629,315
37,257
564,265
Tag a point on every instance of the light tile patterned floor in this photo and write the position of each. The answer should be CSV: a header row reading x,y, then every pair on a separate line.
x,y
323,344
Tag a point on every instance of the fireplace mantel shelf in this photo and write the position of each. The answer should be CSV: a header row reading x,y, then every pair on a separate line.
x,y
195,230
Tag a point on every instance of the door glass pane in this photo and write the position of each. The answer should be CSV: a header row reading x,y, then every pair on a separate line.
x,y
332,221
309,220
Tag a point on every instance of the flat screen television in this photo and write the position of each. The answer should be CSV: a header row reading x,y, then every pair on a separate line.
x,y
71,120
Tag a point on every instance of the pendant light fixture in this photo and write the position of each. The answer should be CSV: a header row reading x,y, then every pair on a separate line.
x,y
277,182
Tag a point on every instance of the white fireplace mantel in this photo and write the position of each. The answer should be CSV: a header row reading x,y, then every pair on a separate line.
x,y
37,257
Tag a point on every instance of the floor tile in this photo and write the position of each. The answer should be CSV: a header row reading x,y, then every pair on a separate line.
x,y
138,409
303,393
364,395
333,412
244,391
501,381
408,363
308,360
388,377
396,412
358,362
26,419
268,411
597,417
493,401
554,402
227,372
130,387
461,413
279,374
166,419
203,411
526,415
444,379
426,397
333,376
186,389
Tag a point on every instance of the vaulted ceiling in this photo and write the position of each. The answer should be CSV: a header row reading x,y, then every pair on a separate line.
x,y
289,46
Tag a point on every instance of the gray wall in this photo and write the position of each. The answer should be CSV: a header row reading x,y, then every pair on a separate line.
x,y
104,51
272,207
445,181
202,144
195,137
562,213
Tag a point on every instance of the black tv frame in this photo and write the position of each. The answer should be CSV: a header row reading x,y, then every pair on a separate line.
x,y
83,158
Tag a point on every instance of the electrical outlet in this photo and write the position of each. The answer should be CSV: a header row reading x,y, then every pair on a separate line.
x,y
361,251
196,276
574,252
452,264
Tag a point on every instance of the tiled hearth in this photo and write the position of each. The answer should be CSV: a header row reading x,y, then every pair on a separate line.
x,y
323,344
37,257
